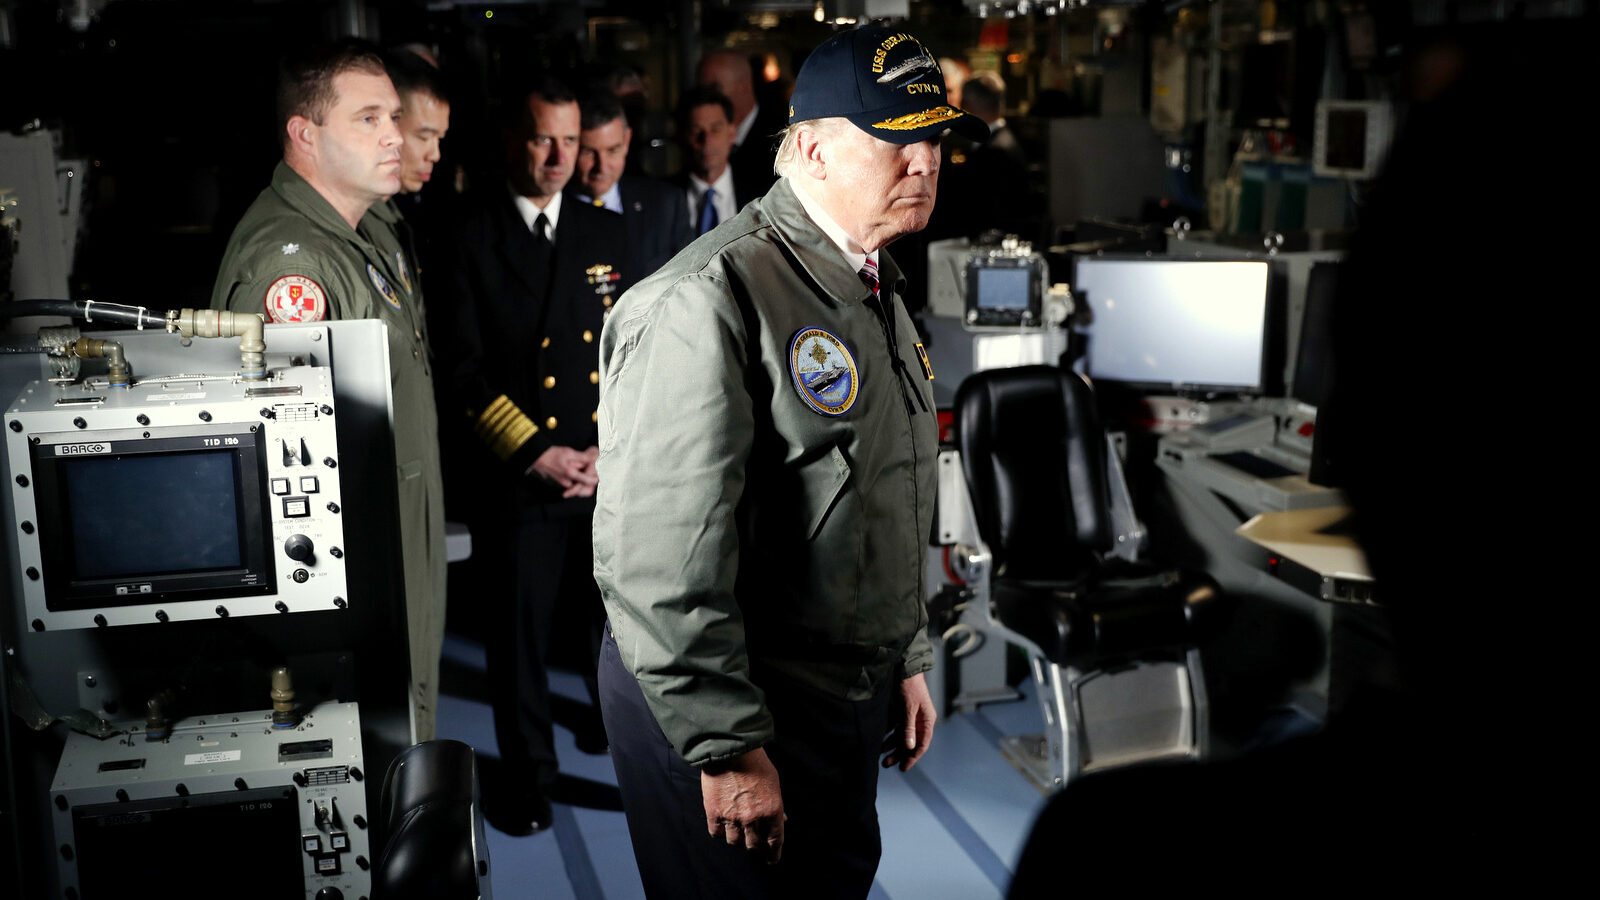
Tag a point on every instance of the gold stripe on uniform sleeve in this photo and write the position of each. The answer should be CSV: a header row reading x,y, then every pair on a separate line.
x,y
504,427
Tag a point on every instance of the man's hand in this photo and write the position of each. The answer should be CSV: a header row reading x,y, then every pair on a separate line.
x,y
911,736
744,805
570,469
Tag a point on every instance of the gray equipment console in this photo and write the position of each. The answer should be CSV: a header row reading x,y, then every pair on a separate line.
x,y
180,497
1257,457
228,804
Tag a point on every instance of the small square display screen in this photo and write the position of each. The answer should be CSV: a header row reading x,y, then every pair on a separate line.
x,y
152,514
1003,288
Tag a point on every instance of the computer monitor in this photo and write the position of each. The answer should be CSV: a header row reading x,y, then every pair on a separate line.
x,y
1005,289
1313,367
1351,138
152,515
1190,326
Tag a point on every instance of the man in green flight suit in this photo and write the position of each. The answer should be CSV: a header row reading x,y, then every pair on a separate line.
x,y
321,243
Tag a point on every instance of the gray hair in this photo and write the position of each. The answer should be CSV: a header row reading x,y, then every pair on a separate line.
x,y
787,164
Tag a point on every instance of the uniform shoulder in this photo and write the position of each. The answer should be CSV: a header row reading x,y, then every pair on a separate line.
x,y
272,229
719,263
475,214
592,220
282,264
650,190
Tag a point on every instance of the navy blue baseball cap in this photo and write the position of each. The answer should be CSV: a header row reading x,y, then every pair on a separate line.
x,y
885,82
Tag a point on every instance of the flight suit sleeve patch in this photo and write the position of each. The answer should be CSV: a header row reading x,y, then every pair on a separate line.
x,y
381,284
296,298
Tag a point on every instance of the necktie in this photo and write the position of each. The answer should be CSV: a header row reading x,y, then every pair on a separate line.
x,y
869,275
708,211
541,242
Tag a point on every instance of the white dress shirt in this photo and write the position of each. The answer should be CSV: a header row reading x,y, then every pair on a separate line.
x,y
724,202
611,199
530,213
854,256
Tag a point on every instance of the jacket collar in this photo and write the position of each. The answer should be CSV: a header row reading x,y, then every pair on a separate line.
x,y
817,253
300,195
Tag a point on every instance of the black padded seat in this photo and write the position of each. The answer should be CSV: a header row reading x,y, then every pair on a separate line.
x,y
1113,641
1034,453
1129,611
436,846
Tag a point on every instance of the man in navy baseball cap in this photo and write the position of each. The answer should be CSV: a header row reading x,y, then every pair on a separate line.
x,y
747,696
885,82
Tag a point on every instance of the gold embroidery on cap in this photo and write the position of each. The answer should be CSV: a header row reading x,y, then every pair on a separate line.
x,y
916,120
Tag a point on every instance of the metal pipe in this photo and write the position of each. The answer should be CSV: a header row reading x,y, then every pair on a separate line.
x,y
210,323
111,351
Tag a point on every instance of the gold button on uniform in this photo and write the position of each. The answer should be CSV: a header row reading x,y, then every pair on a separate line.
x,y
594,377
550,422
588,337
545,342
549,381
594,416
607,300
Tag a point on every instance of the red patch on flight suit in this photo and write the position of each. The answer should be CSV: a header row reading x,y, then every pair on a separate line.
x,y
296,298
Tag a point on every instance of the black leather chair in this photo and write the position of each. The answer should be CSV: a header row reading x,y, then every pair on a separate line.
x,y
1111,640
436,847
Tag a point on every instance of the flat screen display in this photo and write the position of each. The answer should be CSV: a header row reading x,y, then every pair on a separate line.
x,y
239,844
1179,324
173,512
126,520
1347,139
1004,288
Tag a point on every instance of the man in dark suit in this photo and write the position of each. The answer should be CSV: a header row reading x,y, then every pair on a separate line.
x,y
710,192
531,283
656,218
983,185
755,123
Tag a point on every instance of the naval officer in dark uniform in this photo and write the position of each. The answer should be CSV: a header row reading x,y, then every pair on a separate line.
x,y
321,243
653,211
530,282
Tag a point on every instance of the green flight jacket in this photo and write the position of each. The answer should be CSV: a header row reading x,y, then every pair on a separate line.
x,y
743,518
291,238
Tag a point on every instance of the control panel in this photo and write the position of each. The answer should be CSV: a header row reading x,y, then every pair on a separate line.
x,y
1005,286
179,497
230,805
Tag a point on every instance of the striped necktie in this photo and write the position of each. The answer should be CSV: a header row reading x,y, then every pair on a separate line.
x,y
869,275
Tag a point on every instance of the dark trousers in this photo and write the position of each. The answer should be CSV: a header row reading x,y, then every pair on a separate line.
x,y
826,753
528,569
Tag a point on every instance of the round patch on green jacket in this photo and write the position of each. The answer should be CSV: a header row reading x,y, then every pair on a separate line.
x,y
823,370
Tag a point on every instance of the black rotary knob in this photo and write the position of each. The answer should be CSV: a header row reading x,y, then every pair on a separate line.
x,y
298,548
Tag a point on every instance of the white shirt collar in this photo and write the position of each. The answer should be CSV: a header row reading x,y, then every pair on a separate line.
x,y
853,254
611,199
996,125
745,126
727,203
530,211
